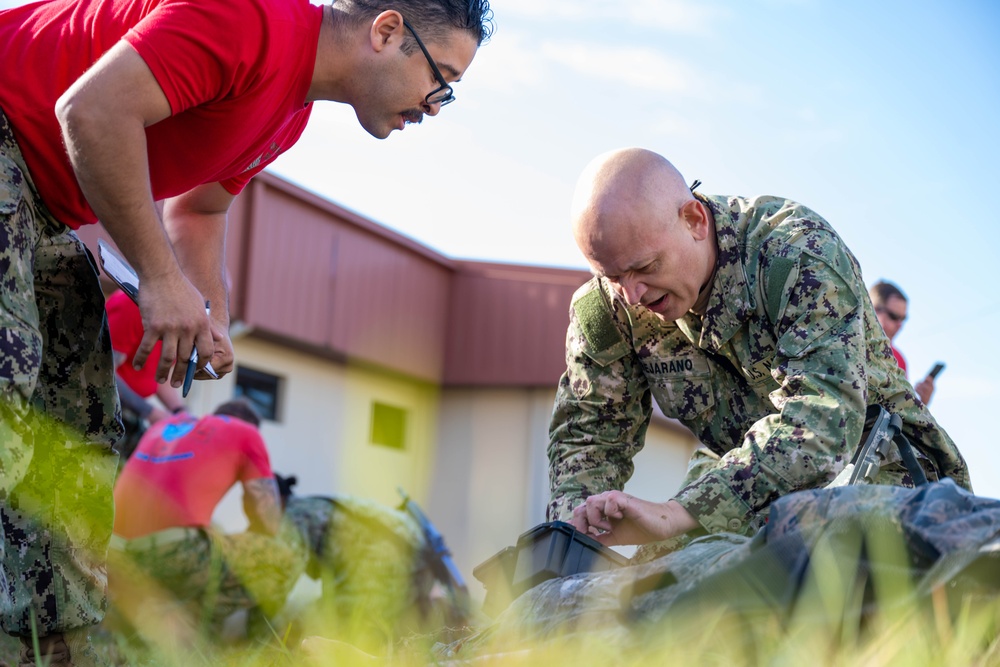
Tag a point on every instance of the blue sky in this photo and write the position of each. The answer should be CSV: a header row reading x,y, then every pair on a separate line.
x,y
881,116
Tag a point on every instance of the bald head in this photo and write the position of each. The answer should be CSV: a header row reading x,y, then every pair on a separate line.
x,y
625,188
639,226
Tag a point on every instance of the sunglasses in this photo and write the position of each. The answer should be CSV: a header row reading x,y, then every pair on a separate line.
x,y
895,317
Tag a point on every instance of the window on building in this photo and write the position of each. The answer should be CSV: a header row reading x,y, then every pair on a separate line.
x,y
388,426
262,389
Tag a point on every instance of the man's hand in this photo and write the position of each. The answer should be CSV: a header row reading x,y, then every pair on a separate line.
x,y
224,359
616,518
173,311
925,389
196,225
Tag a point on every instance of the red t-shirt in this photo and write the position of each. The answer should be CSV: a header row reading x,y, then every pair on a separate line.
x,y
125,323
899,358
182,468
235,73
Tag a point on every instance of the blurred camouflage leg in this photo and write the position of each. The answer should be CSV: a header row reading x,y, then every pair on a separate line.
x,y
59,416
159,587
70,648
259,572
211,577
20,338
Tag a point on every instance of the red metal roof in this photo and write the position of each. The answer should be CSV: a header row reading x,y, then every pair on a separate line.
x,y
507,324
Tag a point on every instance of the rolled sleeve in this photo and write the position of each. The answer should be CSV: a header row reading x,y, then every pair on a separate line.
x,y
713,502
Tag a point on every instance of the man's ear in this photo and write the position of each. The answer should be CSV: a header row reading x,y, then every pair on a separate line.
x,y
387,29
697,218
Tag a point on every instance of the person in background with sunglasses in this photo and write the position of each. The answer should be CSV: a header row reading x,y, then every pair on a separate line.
x,y
890,308
105,109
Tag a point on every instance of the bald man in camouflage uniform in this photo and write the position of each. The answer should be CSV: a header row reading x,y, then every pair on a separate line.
x,y
744,318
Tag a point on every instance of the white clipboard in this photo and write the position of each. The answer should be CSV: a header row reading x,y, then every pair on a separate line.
x,y
116,268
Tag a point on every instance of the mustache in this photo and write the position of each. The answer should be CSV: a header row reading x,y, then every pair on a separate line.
x,y
413,116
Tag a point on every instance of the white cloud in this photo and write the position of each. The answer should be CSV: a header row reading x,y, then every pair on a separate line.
x,y
972,388
642,68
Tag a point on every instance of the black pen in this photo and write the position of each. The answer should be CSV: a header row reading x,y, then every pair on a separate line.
x,y
193,362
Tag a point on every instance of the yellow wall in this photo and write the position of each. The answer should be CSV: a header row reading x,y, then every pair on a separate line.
x,y
376,471
322,436
662,463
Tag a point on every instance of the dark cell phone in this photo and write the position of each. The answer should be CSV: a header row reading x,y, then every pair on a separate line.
x,y
938,367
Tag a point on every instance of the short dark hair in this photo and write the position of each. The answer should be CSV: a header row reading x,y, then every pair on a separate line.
x,y
240,408
883,290
431,18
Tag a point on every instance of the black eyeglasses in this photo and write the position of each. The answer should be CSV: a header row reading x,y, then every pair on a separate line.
x,y
444,94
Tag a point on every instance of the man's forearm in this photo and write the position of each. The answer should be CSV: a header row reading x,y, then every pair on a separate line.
x,y
262,505
196,225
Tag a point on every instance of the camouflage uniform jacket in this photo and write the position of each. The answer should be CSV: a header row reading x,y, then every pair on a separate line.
x,y
774,378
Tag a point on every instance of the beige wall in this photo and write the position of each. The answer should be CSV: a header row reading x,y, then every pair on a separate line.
x,y
491,473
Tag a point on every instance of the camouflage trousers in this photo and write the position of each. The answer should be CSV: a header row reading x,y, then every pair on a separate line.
x,y
58,415
206,576
368,558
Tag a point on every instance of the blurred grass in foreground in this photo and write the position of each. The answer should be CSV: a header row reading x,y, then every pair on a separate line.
x,y
861,601
839,618
912,635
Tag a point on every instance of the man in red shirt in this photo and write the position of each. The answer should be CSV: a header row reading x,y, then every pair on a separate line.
x,y
165,497
105,108
890,308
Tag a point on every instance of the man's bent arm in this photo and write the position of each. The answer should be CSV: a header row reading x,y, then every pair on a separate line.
x,y
598,423
131,400
103,116
196,225
170,397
